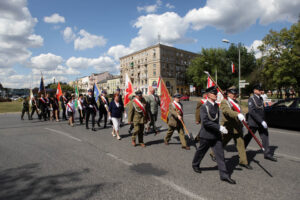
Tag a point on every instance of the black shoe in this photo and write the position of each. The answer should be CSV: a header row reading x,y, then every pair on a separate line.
x,y
213,158
98,123
228,180
197,170
129,132
87,127
271,158
246,166
93,129
104,126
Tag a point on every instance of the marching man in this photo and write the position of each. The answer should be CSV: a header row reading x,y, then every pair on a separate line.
x,y
103,108
174,122
91,109
138,116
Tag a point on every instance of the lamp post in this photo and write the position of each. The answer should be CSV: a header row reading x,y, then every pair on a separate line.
x,y
227,41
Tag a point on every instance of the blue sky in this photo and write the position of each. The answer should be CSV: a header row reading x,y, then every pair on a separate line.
x,y
66,39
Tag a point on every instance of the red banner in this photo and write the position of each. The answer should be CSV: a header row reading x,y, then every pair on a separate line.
x,y
165,101
58,91
128,90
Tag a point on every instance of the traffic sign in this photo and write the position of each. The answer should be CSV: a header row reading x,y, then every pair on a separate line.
x,y
242,81
243,85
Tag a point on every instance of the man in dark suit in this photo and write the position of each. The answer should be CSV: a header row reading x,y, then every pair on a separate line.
x,y
103,108
210,135
256,121
91,109
43,107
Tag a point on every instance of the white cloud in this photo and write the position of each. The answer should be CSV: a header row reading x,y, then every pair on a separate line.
x,y
47,61
102,63
150,8
88,40
254,47
170,6
118,51
68,34
54,19
16,33
236,15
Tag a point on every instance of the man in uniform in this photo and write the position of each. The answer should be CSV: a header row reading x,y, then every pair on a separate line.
x,y
154,102
103,107
25,108
81,108
232,120
63,103
138,116
34,107
210,135
43,107
174,121
197,113
91,109
256,121
48,103
131,97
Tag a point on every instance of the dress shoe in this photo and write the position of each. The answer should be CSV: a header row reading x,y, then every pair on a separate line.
x,y
143,145
93,129
271,158
133,143
228,180
156,133
186,148
197,170
246,166
213,158
87,127
166,142
98,124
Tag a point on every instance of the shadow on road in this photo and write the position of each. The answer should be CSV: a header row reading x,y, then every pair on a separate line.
x,y
147,169
24,182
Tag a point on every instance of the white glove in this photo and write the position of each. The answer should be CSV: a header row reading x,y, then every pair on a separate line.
x,y
223,130
125,115
241,117
264,124
90,106
109,117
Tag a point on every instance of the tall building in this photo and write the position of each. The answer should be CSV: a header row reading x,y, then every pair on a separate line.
x,y
113,84
144,67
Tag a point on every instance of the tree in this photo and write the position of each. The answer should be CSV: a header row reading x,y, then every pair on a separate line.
x,y
64,86
281,58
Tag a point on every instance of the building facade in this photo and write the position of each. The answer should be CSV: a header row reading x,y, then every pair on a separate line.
x,y
113,84
144,67
98,77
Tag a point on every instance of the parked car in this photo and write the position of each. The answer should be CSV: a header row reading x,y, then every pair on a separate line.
x,y
284,114
185,98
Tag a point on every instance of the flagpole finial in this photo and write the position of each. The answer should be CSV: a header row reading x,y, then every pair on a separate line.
x,y
206,72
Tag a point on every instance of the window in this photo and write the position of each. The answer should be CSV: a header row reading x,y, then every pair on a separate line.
x,y
154,72
154,66
154,83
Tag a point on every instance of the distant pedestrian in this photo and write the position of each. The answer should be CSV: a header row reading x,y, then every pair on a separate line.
x,y
25,108
43,107
55,108
70,109
81,108
116,110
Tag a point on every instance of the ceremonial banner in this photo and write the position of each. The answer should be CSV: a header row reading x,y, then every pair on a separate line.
x,y
30,98
165,101
128,90
76,96
42,87
58,91
210,83
96,92
232,67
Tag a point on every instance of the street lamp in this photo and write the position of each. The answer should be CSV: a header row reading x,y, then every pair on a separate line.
x,y
227,41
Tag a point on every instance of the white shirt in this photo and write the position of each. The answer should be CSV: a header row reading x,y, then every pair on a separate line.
x,y
213,103
70,104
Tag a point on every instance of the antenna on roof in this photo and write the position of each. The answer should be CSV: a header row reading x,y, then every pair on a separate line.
x,y
158,37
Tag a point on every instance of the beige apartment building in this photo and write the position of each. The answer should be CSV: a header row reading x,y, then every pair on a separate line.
x,y
144,67
113,84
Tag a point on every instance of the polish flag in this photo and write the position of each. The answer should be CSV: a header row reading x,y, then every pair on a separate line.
x,y
232,67
58,91
210,83
128,90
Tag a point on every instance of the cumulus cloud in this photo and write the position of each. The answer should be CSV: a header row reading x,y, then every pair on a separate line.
x,y
118,51
254,47
47,61
87,40
236,15
102,63
54,19
170,6
16,33
150,8
68,34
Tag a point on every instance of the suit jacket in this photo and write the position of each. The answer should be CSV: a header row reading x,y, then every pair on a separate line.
x,y
256,112
173,113
210,127
102,104
90,103
42,104
230,118
154,102
135,114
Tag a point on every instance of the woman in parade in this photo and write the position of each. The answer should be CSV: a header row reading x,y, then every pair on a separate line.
x,y
70,110
55,107
116,110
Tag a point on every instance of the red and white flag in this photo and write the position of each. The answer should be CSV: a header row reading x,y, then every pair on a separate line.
x,y
158,82
128,90
58,91
210,83
232,67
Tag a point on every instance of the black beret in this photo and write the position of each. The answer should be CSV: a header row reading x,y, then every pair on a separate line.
x,y
90,90
257,87
232,90
212,90
139,93
177,95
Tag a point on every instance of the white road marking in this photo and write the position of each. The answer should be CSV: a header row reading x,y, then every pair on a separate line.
x,y
164,181
284,132
65,134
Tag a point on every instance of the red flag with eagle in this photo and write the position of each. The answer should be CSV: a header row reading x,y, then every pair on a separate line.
x,y
128,90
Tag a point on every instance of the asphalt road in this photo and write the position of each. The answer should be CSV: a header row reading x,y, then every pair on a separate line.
x,y
50,160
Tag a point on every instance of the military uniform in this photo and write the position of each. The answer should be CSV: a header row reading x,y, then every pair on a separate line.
x,y
256,121
91,109
25,109
235,130
210,136
153,102
34,108
175,124
63,103
103,106
138,117
43,108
